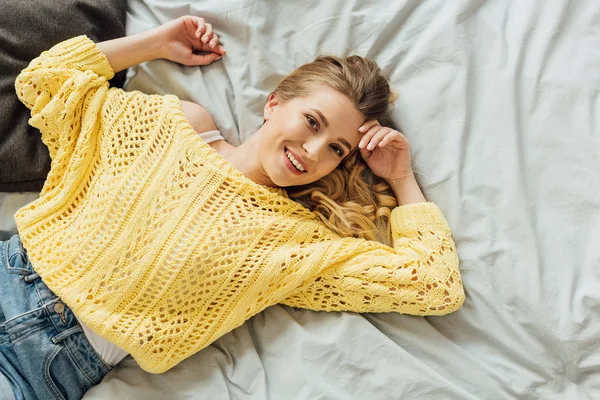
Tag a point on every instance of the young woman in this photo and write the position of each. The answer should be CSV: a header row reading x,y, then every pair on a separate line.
x,y
153,237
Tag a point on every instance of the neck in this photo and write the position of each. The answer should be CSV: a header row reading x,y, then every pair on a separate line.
x,y
246,158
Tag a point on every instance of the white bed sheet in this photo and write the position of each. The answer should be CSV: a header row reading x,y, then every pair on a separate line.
x,y
500,102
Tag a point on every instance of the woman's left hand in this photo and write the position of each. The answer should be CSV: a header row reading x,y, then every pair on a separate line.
x,y
389,153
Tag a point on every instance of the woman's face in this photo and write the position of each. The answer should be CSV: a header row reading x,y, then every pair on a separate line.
x,y
319,131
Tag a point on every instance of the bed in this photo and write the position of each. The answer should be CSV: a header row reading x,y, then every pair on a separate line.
x,y
500,102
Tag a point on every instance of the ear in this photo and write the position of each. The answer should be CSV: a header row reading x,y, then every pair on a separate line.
x,y
270,106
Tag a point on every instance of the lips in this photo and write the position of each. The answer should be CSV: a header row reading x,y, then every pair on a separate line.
x,y
298,158
290,166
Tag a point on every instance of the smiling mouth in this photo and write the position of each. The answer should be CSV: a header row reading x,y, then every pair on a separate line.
x,y
290,164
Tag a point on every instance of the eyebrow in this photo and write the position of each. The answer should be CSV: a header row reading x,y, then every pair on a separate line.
x,y
326,123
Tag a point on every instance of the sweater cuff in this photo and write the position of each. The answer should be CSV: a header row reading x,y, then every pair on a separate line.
x,y
407,219
82,53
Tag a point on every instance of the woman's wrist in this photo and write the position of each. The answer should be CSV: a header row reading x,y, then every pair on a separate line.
x,y
407,190
128,51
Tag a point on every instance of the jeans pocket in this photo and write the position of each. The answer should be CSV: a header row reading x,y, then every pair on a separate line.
x,y
52,369
60,375
16,260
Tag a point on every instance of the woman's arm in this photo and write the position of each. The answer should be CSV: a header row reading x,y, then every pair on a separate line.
x,y
407,191
177,40
56,84
419,275
128,51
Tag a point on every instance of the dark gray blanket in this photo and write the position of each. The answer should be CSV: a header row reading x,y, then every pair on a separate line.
x,y
26,29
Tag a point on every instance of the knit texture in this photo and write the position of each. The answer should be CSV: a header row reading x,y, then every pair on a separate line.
x,y
161,246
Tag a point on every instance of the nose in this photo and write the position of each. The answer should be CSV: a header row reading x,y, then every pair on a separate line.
x,y
312,150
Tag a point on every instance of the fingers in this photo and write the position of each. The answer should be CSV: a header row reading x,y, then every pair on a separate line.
x,y
204,59
206,35
373,137
213,42
219,49
367,125
381,137
371,127
201,23
392,136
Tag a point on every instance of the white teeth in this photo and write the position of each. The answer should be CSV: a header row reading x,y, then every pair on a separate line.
x,y
293,160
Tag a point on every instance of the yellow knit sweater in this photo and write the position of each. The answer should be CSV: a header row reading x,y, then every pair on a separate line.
x,y
161,246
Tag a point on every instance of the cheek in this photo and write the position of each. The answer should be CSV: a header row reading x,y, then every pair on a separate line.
x,y
296,127
292,123
326,167
289,128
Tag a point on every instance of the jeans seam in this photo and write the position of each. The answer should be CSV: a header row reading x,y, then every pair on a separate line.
x,y
56,300
47,378
20,315
110,367
77,364
5,244
27,333
85,336
7,260
41,300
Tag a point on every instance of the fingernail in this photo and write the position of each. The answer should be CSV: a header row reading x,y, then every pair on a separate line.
x,y
361,144
370,146
218,58
362,129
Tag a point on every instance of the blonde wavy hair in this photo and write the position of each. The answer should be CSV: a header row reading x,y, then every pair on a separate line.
x,y
350,200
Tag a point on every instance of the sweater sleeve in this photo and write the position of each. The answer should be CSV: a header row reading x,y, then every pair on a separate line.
x,y
418,276
59,86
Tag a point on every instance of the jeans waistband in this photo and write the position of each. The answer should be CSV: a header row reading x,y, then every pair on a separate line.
x,y
54,315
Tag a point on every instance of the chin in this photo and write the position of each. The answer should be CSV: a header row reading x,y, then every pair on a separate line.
x,y
299,182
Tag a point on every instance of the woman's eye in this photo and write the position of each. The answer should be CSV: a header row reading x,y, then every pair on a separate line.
x,y
339,150
313,120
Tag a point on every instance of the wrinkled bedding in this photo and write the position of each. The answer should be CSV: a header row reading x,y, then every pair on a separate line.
x,y
500,103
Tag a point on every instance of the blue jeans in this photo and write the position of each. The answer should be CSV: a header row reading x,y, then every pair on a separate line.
x,y
44,353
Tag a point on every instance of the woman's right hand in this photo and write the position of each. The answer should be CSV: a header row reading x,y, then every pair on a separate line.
x,y
185,35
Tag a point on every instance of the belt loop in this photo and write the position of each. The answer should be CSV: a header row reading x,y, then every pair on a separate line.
x,y
31,277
